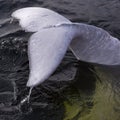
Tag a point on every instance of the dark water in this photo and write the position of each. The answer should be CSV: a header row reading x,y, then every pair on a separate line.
x,y
77,90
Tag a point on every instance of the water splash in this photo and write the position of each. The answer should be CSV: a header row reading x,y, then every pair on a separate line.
x,y
24,105
27,98
30,92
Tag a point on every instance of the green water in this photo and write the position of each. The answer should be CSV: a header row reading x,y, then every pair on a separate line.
x,y
102,103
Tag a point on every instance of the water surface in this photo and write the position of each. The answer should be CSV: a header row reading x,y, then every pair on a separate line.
x,y
77,90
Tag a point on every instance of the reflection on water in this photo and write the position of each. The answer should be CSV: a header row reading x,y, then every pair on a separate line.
x,y
77,90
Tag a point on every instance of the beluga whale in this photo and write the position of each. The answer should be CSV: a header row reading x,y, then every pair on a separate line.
x,y
53,34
